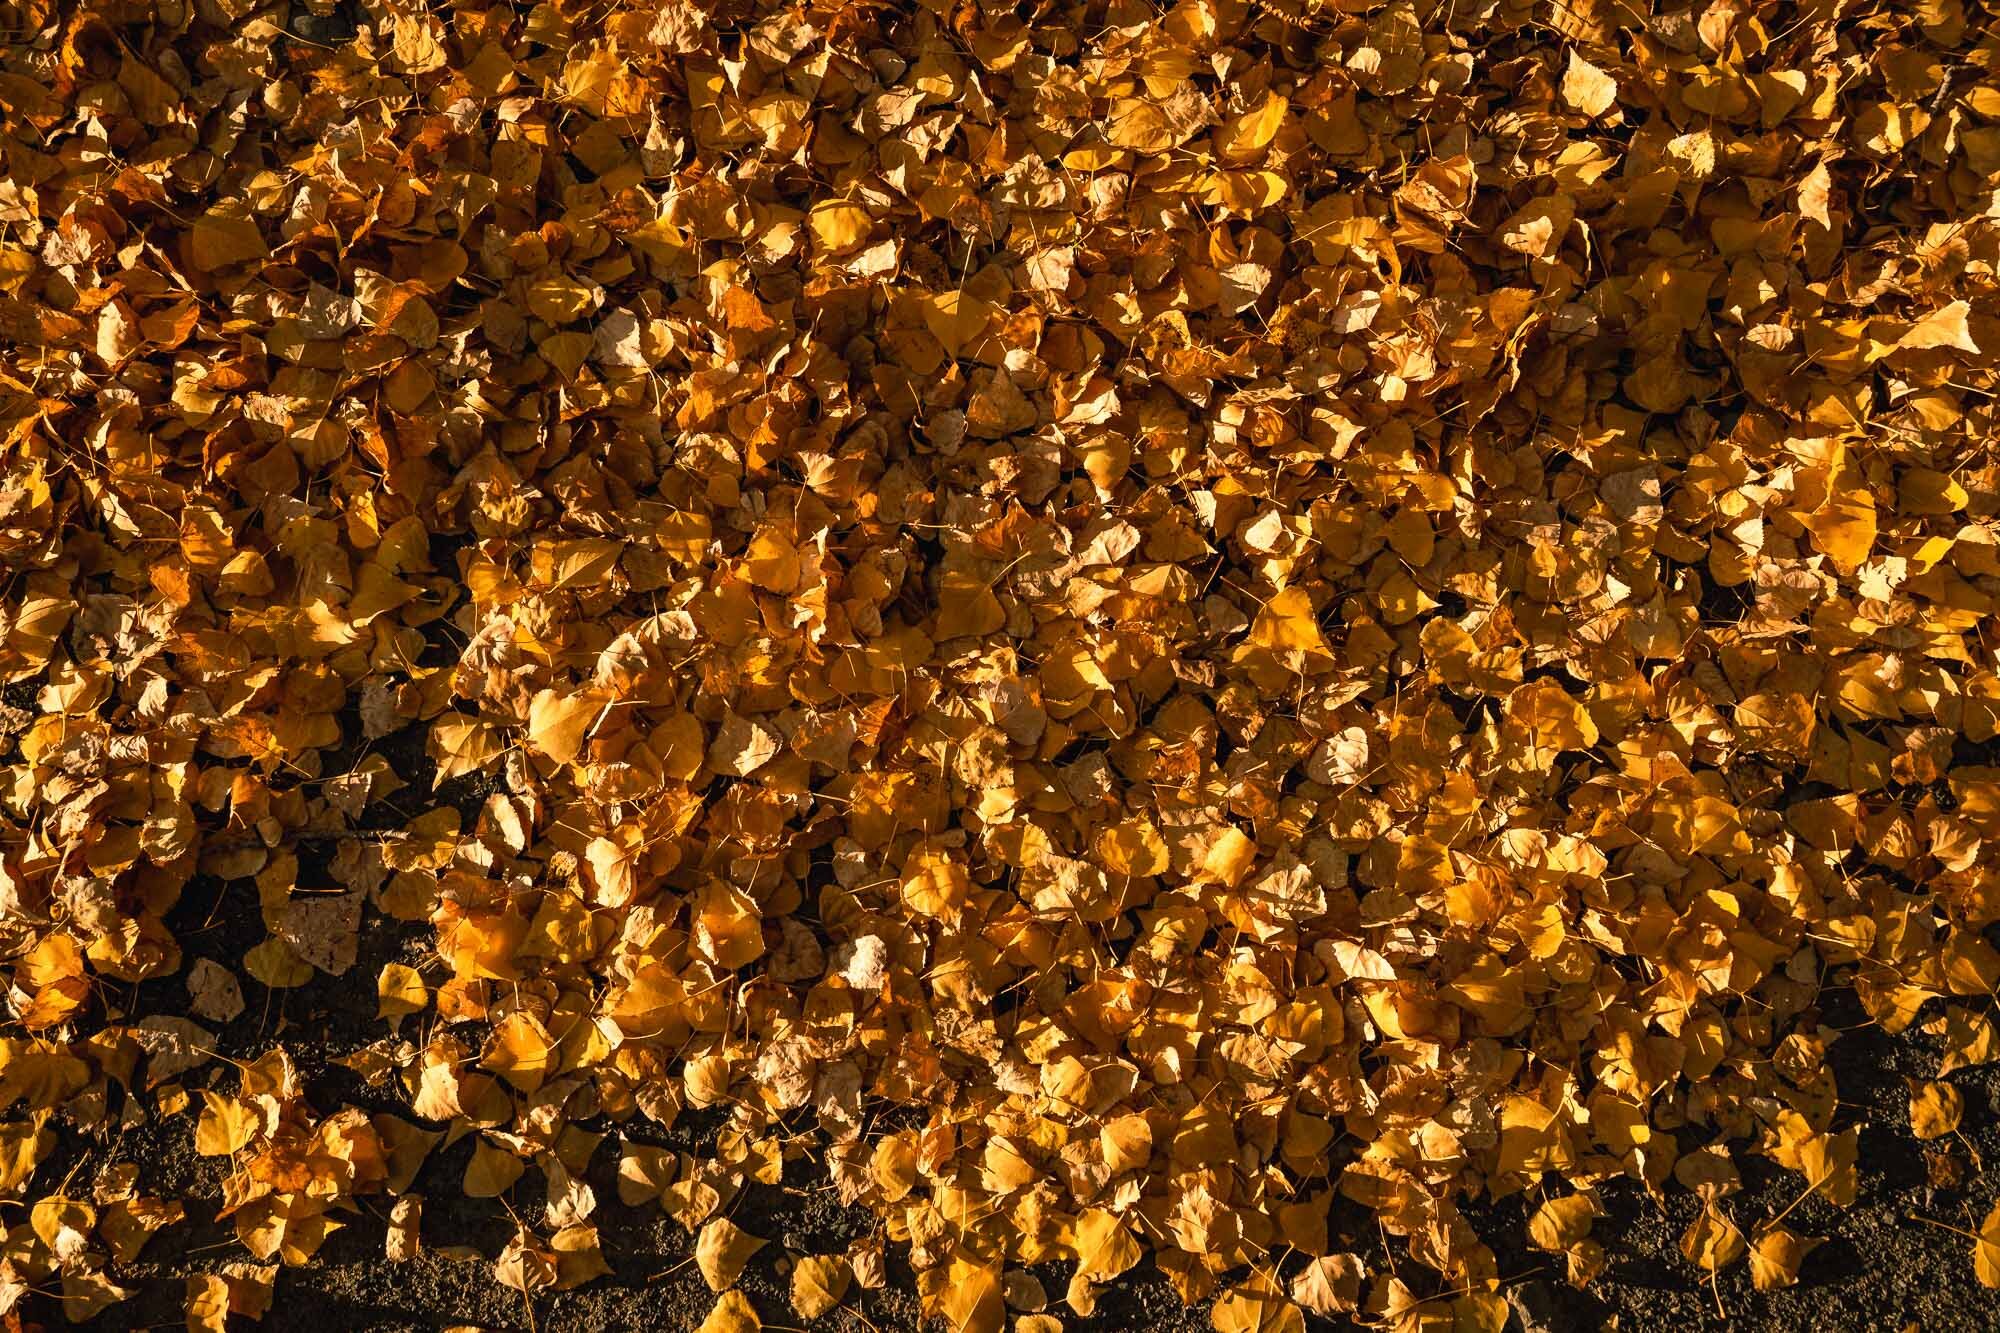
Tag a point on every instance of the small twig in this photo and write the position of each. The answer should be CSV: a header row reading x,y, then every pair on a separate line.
x,y
1946,1226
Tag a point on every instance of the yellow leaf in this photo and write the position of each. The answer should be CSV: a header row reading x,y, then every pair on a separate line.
x,y
1560,1223
1104,1246
967,606
972,1302
772,561
463,744
1923,490
644,1173
1126,1142
277,965
1843,527
1815,195
225,1126
732,1313
1776,1255
1288,623
558,721
64,1225
894,1165
86,1293
956,318
520,1050
225,235
1133,847
207,1304
400,991
1828,1161
1247,1309
935,884
1243,138
557,298
1943,327
579,1255
405,1147
684,536
128,1224
728,930
721,1250
491,1172
526,1264
23,1144
1330,1284
1986,1250
415,44
1140,125
405,1229
1586,89
1712,1241
39,1072
1546,717
1935,1109
839,226
818,1284
291,1226
1968,1040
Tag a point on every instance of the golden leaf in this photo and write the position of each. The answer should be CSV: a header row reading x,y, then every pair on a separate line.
x,y
1935,1109
1986,1250
1586,89
1712,1240
818,1284
1775,1257
226,1125
1247,1309
732,1313
721,1250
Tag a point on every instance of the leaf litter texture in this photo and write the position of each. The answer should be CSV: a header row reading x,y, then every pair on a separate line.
x,y
1223,607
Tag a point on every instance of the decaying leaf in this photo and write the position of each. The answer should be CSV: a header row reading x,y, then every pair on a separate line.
x,y
213,992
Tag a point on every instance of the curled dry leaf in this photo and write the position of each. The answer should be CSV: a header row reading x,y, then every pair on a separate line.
x,y
405,1228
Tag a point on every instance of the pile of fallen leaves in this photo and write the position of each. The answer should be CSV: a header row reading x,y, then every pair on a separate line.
x,y
1102,623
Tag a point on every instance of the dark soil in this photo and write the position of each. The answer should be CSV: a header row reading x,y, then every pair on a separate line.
x,y
1880,1267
